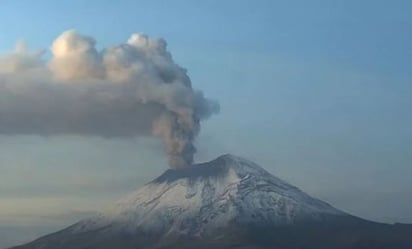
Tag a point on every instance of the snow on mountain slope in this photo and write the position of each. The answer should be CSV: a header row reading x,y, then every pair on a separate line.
x,y
201,199
228,203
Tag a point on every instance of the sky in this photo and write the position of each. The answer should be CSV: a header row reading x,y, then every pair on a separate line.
x,y
319,93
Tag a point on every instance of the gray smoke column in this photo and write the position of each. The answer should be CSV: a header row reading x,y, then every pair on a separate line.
x,y
131,89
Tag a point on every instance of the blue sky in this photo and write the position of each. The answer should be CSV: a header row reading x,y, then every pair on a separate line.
x,y
318,92
367,34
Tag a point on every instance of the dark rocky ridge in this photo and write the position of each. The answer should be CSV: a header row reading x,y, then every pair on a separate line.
x,y
213,168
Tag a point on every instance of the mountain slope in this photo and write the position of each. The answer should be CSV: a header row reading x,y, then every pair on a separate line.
x,y
207,196
229,202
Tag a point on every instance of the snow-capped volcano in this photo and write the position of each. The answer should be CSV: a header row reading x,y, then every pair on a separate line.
x,y
224,203
210,195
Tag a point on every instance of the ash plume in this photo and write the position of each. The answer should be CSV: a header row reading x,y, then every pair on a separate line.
x,y
131,89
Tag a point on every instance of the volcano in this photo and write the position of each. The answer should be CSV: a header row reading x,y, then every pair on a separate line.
x,y
229,202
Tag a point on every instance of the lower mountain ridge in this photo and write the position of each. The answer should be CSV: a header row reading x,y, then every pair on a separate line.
x,y
229,202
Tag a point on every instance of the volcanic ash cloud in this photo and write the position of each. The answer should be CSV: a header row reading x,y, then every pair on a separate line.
x,y
131,89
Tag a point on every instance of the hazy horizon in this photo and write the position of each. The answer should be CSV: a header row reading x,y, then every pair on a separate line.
x,y
317,93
